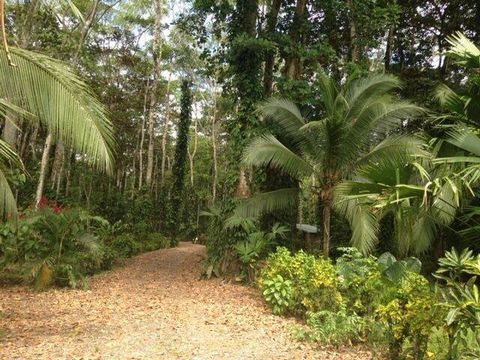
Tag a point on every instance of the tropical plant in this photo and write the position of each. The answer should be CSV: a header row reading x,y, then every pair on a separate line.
x,y
405,191
39,88
461,298
335,328
464,110
278,293
314,280
330,147
256,245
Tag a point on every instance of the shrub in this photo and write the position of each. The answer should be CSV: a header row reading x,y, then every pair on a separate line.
x,y
461,300
314,280
410,317
155,241
278,293
334,328
126,246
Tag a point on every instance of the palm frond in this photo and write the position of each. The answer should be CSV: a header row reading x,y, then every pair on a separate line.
x,y
328,92
286,115
362,91
360,215
450,99
7,107
423,233
381,115
400,149
464,51
465,140
268,150
62,102
267,202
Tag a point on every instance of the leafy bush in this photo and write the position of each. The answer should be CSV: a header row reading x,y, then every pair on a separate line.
x,y
256,246
461,300
63,246
314,280
126,246
278,293
382,301
155,241
334,328
410,316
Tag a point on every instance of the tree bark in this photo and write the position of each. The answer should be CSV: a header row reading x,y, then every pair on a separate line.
x,y
165,136
214,145
43,170
354,50
270,57
157,54
389,47
327,214
293,61
191,156
142,138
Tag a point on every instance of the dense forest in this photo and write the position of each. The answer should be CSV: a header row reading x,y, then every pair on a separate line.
x,y
323,154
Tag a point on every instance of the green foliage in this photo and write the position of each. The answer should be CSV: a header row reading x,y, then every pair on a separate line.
x,y
181,151
63,247
256,245
278,293
334,327
314,280
461,299
358,300
410,316
126,245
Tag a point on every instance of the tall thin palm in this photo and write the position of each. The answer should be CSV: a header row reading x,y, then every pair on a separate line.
x,y
39,88
353,118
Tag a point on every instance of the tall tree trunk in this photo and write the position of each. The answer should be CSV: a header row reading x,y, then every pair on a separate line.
x,y
354,50
243,190
27,25
389,47
33,142
270,57
326,218
43,170
157,54
165,136
85,29
214,144
57,163
191,156
293,61
142,138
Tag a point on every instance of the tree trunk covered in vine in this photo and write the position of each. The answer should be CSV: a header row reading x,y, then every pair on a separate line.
x,y
293,62
270,57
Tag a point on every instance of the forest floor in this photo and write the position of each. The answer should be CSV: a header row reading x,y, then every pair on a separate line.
x,y
154,307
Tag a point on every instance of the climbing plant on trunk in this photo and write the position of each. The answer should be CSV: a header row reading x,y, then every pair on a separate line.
x,y
181,153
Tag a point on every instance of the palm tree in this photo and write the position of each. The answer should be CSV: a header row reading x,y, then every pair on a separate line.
x,y
328,149
39,88
464,111
417,202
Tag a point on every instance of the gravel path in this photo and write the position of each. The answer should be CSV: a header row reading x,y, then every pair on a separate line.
x,y
154,307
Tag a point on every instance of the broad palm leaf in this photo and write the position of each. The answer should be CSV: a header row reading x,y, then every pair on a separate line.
x,y
45,90
417,203
464,109
330,148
